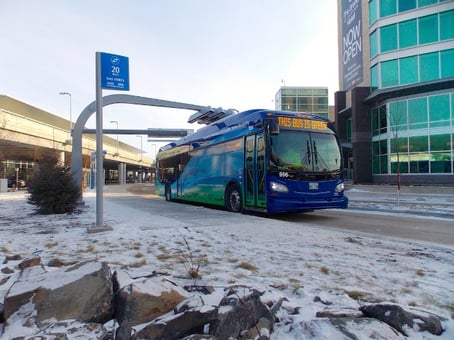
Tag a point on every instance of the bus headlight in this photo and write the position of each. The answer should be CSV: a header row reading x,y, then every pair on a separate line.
x,y
278,187
339,188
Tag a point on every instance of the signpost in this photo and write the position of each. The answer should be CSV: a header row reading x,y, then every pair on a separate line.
x,y
112,72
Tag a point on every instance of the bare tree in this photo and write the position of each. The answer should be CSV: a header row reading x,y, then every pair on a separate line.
x,y
396,120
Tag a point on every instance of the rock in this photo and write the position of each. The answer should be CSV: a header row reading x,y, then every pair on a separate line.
x,y
72,329
13,258
146,299
30,262
173,326
347,328
82,292
7,270
239,311
400,319
339,312
59,263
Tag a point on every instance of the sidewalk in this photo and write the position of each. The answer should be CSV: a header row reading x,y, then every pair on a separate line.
x,y
420,200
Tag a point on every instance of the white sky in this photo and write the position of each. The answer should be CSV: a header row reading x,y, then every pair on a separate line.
x,y
229,53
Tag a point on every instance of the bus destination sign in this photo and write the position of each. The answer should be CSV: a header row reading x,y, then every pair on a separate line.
x,y
114,72
302,123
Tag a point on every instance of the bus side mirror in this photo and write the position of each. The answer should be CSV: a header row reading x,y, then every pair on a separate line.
x,y
272,126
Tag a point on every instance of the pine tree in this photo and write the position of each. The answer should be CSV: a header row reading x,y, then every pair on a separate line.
x,y
52,189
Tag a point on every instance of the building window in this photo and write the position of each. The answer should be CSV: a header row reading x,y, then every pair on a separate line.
x,y
372,11
418,144
389,73
417,113
447,63
406,5
407,34
387,7
398,115
408,70
419,163
349,129
374,77
388,38
422,3
413,147
380,157
440,142
439,110
447,25
428,29
429,66
373,44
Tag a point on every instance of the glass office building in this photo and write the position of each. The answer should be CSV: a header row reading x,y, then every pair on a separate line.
x,y
407,93
303,99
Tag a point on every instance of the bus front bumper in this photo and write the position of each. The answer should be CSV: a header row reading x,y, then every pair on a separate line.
x,y
276,205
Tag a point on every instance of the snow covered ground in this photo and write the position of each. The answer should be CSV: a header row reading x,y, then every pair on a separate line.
x,y
300,262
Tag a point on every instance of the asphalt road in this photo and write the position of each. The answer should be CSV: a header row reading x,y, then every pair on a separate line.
x,y
405,226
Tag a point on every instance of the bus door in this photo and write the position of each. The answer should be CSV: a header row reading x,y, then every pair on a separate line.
x,y
255,171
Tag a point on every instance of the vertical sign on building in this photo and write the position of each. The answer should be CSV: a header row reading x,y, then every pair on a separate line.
x,y
352,47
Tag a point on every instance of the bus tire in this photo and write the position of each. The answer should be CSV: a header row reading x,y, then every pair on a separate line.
x,y
233,198
168,193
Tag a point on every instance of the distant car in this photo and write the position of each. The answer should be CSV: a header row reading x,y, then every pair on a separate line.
x,y
12,183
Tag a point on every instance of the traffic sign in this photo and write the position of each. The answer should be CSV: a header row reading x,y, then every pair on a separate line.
x,y
114,72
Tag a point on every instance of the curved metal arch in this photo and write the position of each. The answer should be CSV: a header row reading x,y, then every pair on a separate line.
x,y
76,154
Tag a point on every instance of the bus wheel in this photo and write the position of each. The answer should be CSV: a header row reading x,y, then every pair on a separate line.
x,y
168,193
233,198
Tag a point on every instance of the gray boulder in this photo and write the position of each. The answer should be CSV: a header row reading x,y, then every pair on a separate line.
x,y
82,292
399,319
348,328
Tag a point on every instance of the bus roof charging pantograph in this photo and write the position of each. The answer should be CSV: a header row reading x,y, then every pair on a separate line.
x,y
259,160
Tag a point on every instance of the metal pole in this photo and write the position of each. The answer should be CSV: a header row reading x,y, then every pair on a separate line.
x,y
99,145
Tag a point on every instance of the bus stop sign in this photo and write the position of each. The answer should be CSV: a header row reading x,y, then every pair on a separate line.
x,y
114,72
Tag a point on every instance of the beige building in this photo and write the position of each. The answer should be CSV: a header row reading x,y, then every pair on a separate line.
x,y
26,131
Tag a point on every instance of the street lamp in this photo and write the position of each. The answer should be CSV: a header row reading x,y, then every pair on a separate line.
x,y
118,143
141,153
70,111
141,147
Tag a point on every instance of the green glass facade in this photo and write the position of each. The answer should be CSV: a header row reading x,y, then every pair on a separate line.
x,y
411,46
303,99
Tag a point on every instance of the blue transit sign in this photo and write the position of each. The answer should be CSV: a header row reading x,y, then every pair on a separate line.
x,y
114,72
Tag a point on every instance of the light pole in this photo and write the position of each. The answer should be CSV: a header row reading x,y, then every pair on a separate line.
x,y
70,111
141,154
118,144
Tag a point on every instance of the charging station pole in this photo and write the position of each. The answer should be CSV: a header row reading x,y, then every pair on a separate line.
x,y
112,72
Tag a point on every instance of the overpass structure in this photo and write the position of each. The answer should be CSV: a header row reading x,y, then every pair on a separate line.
x,y
26,131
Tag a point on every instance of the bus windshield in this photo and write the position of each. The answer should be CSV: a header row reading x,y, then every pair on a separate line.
x,y
305,151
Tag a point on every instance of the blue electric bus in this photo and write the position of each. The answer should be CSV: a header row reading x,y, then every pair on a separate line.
x,y
257,160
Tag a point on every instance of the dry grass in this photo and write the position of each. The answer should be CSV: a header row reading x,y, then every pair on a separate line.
x,y
139,255
90,248
356,294
192,261
50,245
324,270
247,266
136,246
138,264
164,257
